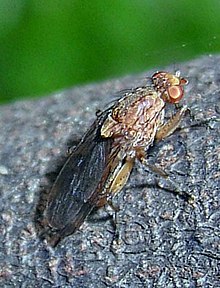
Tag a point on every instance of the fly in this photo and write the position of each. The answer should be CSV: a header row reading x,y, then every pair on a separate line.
x,y
101,164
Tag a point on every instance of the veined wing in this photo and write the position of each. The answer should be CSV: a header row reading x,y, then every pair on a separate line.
x,y
73,194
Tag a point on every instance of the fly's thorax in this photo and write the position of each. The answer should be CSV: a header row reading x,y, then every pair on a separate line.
x,y
133,103
134,119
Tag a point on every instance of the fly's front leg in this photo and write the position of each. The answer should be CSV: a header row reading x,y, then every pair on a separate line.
x,y
171,125
167,129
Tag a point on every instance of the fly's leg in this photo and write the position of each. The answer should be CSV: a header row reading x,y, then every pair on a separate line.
x,y
113,217
171,125
121,176
114,221
165,130
142,157
118,181
154,168
118,177
170,186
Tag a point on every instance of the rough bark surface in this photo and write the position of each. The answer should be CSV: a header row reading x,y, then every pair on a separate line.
x,y
162,240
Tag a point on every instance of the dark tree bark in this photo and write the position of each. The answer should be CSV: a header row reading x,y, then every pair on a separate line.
x,y
162,240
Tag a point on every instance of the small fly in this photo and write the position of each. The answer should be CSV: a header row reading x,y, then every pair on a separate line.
x,y
101,164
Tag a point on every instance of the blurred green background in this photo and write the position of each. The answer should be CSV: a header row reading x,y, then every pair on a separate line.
x,y
47,45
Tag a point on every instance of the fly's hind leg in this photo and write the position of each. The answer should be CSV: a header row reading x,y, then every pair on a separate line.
x,y
118,177
121,175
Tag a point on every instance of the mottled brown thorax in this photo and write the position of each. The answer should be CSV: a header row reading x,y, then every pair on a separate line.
x,y
135,119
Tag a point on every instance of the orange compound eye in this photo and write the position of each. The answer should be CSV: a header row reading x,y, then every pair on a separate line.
x,y
183,81
175,93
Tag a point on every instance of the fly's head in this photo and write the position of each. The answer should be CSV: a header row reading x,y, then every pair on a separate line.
x,y
169,86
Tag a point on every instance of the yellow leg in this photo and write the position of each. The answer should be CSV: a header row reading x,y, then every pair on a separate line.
x,y
117,179
154,168
171,125
121,176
